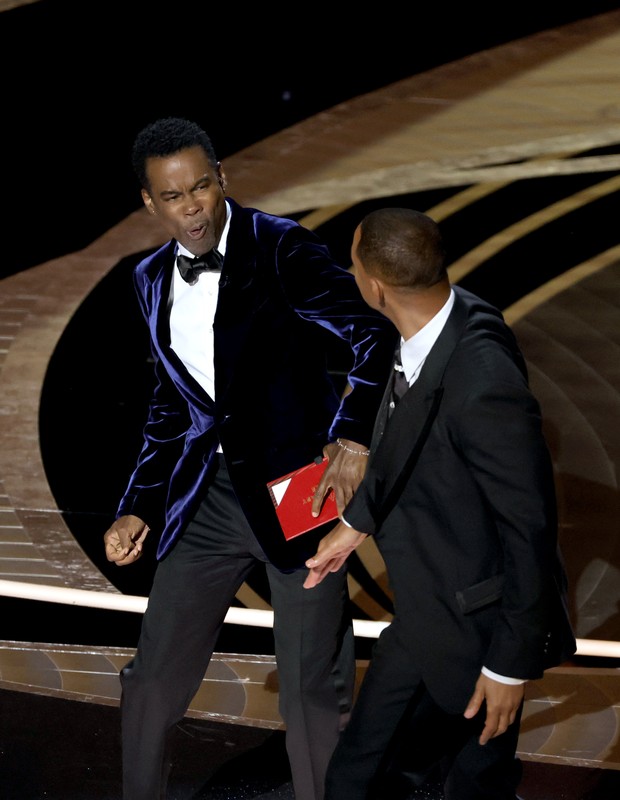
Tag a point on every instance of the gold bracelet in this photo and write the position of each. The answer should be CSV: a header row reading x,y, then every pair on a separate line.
x,y
349,450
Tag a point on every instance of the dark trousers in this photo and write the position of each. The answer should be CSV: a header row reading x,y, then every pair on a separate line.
x,y
193,589
398,737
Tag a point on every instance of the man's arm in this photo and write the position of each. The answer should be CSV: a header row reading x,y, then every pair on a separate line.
x,y
322,292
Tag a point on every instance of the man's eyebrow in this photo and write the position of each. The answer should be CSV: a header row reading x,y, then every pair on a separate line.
x,y
203,179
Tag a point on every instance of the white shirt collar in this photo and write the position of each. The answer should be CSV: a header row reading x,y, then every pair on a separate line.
x,y
413,352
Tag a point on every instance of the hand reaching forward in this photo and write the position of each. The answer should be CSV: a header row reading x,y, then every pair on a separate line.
x,y
343,474
124,540
334,549
502,702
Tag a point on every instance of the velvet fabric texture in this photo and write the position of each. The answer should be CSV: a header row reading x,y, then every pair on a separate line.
x,y
276,405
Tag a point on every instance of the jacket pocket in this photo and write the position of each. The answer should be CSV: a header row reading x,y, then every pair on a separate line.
x,y
480,594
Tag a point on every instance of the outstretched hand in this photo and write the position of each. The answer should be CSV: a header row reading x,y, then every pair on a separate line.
x,y
334,549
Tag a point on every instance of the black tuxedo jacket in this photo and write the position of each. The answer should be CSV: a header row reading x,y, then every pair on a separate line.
x,y
459,494
275,405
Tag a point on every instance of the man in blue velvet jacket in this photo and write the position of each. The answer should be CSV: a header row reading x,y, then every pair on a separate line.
x,y
242,396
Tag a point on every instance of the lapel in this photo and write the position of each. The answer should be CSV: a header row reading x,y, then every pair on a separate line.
x,y
238,299
234,314
158,278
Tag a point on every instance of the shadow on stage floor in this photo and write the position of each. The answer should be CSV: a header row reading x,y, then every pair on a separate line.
x,y
55,749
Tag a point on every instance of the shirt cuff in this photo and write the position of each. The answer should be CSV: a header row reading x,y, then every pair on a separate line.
x,y
502,678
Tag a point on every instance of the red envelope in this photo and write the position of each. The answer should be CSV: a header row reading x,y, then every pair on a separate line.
x,y
292,497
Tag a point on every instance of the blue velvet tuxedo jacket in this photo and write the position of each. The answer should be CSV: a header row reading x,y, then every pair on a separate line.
x,y
275,404
469,537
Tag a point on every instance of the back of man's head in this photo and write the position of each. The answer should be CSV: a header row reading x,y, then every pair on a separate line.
x,y
403,247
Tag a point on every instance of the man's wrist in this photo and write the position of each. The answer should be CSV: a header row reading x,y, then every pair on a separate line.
x,y
351,450
502,678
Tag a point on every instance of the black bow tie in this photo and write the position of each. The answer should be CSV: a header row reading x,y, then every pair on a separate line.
x,y
190,268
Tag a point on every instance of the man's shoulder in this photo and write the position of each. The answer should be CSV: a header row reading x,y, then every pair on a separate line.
x,y
151,266
474,304
264,223
155,257
486,349
476,318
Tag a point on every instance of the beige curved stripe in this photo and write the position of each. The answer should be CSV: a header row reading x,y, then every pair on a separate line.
x,y
366,603
252,599
485,187
421,176
552,288
463,266
472,194
7,5
317,218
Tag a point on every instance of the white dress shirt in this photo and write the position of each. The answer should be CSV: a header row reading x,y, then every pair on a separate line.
x,y
192,309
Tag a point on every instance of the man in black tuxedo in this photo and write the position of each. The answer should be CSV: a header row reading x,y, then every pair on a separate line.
x,y
242,396
459,494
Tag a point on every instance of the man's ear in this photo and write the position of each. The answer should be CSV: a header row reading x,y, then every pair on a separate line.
x,y
221,177
378,292
146,198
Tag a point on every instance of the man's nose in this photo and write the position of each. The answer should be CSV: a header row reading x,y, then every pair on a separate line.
x,y
191,203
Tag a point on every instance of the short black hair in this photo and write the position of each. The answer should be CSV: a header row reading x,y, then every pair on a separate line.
x,y
167,136
402,246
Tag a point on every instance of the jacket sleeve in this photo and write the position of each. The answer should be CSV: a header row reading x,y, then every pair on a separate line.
x,y
164,436
499,435
321,291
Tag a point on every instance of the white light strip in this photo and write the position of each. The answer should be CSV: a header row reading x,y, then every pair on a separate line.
x,y
259,618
